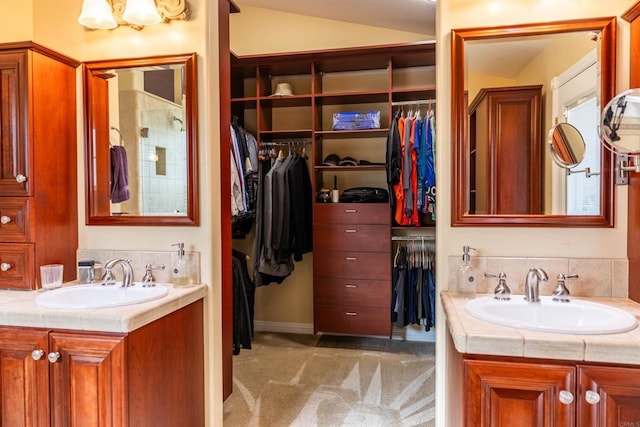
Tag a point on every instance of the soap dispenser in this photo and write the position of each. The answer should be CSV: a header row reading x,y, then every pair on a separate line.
x,y
466,275
180,269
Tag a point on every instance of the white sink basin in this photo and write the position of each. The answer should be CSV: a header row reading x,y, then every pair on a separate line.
x,y
98,296
575,317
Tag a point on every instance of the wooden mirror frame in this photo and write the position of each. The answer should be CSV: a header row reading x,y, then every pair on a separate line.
x,y
97,142
459,217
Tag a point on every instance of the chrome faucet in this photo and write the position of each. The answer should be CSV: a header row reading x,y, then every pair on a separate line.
x,y
531,285
127,270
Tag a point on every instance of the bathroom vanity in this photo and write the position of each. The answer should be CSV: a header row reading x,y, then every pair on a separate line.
x,y
133,365
512,376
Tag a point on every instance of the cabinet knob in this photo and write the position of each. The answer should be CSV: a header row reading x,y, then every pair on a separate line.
x,y
592,397
565,397
37,354
53,357
20,178
5,266
5,219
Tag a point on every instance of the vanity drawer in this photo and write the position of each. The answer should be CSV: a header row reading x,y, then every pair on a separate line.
x,y
17,267
352,213
353,320
352,237
355,265
350,292
14,219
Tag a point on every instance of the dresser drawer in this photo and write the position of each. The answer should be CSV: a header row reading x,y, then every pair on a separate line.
x,y
352,292
352,265
352,237
17,266
361,321
14,219
352,213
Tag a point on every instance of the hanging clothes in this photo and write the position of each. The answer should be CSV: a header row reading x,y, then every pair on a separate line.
x,y
284,217
243,302
244,180
411,167
413,285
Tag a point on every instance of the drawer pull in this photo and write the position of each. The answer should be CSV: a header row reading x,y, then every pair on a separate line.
x,y
5,266
351,211
351,313
20,178
349,285
350,230
351,258
5,219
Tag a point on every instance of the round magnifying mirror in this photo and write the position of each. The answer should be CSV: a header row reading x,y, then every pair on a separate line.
x,y
620,122
566,145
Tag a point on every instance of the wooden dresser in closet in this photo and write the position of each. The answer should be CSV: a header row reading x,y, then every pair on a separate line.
x,y
352,268
38,173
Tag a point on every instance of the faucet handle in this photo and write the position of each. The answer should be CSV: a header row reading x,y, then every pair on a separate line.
x,y
148,280
561,293
502,291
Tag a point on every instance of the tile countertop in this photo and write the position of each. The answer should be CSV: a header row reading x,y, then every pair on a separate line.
x,y
475,336
18,308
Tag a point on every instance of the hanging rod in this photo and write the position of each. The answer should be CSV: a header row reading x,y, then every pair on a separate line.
x,y
417,101
414,238
281,143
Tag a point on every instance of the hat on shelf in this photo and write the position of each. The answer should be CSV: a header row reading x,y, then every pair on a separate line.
x,y
348,161
283,89
331,160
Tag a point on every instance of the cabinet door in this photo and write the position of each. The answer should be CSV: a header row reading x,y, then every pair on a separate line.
x,y
504,394
608,396
24,381
88,380
13,122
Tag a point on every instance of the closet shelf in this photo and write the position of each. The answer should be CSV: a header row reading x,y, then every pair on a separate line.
x,y
286,101
381,96
344,134
285,134
350,168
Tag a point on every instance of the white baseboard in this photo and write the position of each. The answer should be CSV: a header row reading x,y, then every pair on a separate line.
x,y
284,327
409,333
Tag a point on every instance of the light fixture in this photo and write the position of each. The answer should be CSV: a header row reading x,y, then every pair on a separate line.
x,y
141,12
97,14
108,14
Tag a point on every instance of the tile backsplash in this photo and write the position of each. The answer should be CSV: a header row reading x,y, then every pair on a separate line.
x,y
597,277
139,259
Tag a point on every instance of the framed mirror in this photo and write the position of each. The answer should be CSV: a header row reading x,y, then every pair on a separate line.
x,y
141,161
508,90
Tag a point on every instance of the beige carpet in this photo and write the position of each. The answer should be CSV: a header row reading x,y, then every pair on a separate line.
x,y
295,380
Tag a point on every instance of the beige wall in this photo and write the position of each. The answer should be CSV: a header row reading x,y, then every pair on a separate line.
x,y
541,242
256,30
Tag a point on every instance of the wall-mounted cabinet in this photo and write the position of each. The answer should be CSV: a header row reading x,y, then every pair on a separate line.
x,y
323,84
38,191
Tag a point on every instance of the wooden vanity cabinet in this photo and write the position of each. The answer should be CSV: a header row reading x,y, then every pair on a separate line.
x,y
531,393
38,173
151,376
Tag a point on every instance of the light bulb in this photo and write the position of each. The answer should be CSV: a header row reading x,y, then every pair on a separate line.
x,y
141,12
97,14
